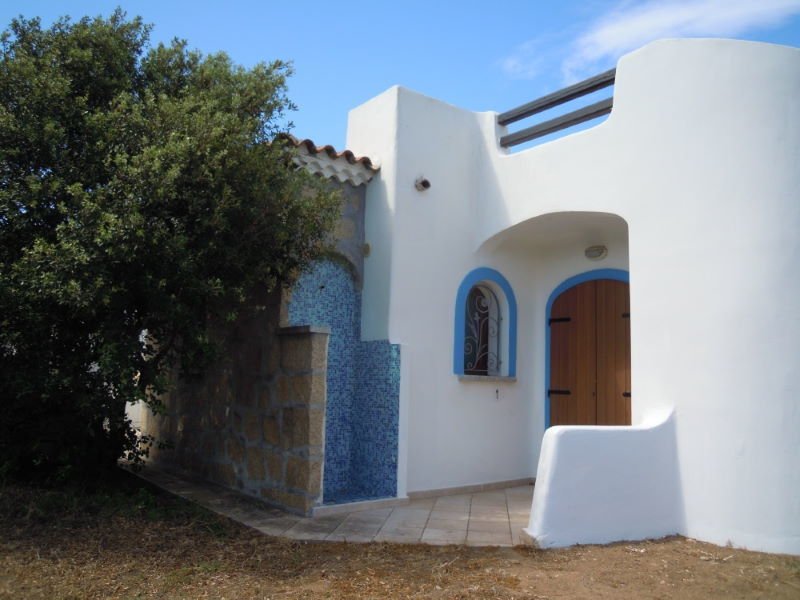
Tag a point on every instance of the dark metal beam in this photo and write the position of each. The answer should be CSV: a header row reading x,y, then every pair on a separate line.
x,y
587,113
577,90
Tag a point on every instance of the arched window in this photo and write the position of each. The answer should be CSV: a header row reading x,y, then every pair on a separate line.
x,y
482,332
485,342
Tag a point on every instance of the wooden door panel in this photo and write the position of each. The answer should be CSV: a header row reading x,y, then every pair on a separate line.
x,y
563,372
613,353
624,337
590,355
606,355
572,357
586,326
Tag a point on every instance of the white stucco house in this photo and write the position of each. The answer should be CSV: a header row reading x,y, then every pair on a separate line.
x,y
614,314
688,196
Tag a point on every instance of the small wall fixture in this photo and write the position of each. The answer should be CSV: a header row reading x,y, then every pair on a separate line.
x,y
596,252
422,184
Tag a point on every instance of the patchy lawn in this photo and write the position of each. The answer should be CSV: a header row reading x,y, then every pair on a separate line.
x,y
125,540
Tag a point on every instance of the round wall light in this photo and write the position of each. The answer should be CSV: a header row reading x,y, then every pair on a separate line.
x,y
596,252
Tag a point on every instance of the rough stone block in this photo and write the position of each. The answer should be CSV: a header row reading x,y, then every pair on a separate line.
x,y
255,463
284,390
249,393
316,427
314,487
271,431
253,431
287,428
273,359
264,394
298,473
296,352
235,449
345,229
252,359
223,474
317,389
302,389
353,202
319,352
297,503
299,425
275,467
270,494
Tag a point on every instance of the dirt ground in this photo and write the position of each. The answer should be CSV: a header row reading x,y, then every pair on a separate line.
x,y
143,544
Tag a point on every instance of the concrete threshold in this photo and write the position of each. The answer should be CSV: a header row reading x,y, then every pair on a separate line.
x,y
472,489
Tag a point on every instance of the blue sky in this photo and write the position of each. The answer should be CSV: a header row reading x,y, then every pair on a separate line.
x,y
478,55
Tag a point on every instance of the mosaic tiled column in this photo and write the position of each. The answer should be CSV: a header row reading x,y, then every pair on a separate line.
x,y
363,383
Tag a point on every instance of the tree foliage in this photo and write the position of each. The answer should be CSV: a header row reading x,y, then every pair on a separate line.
x,y
142,189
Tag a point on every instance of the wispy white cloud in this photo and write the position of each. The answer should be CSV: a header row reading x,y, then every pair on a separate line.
x,y
631,24
535,57
525,63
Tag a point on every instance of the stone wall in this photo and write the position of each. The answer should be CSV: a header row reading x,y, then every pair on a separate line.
x,y
349,232
258,419
255,421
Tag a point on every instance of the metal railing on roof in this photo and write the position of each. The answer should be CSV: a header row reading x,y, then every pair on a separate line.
x,y
587,113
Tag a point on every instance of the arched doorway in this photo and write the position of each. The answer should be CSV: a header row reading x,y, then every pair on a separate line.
x,y
589,378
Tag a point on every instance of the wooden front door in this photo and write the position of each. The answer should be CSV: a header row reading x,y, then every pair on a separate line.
x,y
590,355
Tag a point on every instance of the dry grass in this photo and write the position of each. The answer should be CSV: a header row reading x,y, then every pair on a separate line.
x,y
136,543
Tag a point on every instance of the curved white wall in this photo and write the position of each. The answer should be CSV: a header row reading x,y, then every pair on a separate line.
x,y
601,484
700,157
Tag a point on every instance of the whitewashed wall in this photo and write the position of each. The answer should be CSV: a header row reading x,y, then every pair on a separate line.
x,y
700,158
574,468
422,245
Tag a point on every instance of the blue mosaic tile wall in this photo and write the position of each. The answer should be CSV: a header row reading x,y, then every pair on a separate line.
x,y
361,417
377,395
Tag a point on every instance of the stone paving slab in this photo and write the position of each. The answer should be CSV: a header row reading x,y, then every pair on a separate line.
x,y
488,518
402,535
441,537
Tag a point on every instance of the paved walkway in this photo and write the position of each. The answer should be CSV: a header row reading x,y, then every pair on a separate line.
x,y
493,518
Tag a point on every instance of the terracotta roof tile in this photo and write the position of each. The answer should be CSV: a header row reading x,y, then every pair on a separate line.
x,y
312,148
328,162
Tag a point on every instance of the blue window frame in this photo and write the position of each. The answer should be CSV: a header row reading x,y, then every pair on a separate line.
x,y
501,307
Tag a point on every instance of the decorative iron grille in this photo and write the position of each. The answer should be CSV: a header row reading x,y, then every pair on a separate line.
x,y
482,332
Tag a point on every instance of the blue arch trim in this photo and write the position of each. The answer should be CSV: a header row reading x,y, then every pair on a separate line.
x,y
474,277
615,274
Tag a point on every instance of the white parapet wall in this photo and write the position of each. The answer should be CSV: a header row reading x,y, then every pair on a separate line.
x,y
602,484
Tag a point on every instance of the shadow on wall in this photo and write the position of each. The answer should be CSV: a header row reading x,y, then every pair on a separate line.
x,y
363,387
597,485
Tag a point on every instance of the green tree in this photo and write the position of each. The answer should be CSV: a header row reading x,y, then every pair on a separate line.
x,y
142,189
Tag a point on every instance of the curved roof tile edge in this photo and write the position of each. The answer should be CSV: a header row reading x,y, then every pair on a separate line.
x,y
312,148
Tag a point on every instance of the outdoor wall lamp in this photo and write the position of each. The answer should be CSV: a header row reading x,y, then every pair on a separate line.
x,y
596,252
